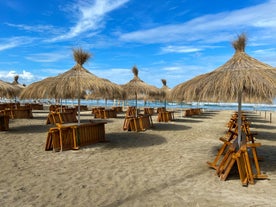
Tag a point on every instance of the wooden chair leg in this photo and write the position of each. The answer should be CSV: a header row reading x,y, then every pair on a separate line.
x,y
226,143
242,169
220,152
49,145
248,166
224,173
126,125
60,139
74,128
253,148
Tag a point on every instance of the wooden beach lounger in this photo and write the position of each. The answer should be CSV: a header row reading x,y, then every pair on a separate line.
x,y
230,154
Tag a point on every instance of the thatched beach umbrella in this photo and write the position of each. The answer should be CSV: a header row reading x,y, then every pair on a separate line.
x,y
8,90
39,90
242,78
18,85
165,91
116,94
136,87
75,82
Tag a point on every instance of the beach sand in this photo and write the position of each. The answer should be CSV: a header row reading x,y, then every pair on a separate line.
x,y
162,166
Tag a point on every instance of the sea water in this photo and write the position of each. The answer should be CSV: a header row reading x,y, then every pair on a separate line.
x,y
168,105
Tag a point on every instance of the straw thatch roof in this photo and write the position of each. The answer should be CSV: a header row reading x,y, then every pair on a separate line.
x,y
242,73
18,85
78,79
137,87
15,81
8,90
73,83
165,90
40,89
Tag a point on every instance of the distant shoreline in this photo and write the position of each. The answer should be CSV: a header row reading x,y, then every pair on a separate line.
x,y
154,104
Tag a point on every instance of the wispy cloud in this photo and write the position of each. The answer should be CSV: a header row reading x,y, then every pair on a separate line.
x,y
261,16
47,57
36,28
8,43
90,16
173,68
265,51
179,49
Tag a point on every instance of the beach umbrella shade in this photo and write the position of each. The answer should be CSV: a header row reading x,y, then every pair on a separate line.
x,y
116,94
74,83
241,79
18,85
137,87
8,90
39,90
165,92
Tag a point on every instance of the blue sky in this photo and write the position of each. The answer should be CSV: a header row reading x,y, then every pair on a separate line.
x,y
166,39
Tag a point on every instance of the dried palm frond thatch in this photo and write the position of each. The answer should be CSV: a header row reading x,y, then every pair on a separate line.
x,y
240,79
242,72
137,86
163,91
240,43
72,83
15,81
17,84
81,56
39,90
8,90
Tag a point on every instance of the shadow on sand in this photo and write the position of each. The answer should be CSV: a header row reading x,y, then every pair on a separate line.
x,y
167,126
132,140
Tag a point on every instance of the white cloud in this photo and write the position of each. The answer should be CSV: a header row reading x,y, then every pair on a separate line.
x,y
13,42
264,52
7,75
91,14
24,76
36,28
179,49
261,16
47,57
173,68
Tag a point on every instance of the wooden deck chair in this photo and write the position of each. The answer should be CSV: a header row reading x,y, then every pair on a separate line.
x,y
227,140
250,136
227,159
252,147
244,167
126,125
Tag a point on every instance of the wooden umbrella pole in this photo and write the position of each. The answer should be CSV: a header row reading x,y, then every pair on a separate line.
x,y
136,111
78,111
78,97
239,118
